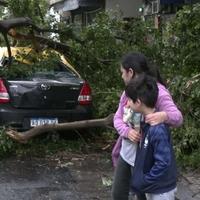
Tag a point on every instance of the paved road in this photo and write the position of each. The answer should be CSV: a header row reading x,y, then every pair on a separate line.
x,y
68,176
31,179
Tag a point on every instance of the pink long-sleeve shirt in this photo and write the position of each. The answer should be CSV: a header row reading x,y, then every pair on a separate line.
x,y
164,103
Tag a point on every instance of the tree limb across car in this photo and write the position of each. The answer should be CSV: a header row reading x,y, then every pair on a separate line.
x,y
8,27
23,137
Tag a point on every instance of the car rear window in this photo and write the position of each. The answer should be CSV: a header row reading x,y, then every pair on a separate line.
x,y
40,70
60,71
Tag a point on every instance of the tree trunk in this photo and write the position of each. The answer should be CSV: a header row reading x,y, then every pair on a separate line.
x,y
23,137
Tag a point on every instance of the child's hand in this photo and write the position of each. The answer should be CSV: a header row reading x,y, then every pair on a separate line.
x,y
134,136
156,118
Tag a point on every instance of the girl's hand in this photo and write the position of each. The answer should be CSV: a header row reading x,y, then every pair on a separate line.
x,y
134,136
156,118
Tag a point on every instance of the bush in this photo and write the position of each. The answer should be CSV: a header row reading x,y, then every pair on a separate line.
x,y
6,144
97,57
174,49
182,68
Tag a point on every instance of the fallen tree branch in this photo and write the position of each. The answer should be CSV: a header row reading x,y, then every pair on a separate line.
x,y
60,47
23,137
8,27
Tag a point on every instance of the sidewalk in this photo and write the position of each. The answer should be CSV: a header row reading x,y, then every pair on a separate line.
x,y
189,186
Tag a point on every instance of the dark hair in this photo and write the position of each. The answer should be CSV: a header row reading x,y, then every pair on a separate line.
x,y
140,64
143,87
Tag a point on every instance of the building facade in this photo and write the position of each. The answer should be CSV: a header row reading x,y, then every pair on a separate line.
x,y
83,11
128,8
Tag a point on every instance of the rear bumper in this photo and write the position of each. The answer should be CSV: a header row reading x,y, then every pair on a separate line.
x,y
20,118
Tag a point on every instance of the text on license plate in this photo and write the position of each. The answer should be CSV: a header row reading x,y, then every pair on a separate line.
x,y
41,121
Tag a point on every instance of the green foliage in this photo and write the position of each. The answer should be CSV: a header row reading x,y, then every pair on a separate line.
x,y
97,57
102,49
187,94
105,101
182,49
98,64
39,146
6,144
181,55
189,160
24,65
42,146
34,9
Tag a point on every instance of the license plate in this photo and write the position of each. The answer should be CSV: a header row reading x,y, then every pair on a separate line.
x,y
41,121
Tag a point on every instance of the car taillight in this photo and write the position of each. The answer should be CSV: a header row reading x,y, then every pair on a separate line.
x,y
4,96
85,97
